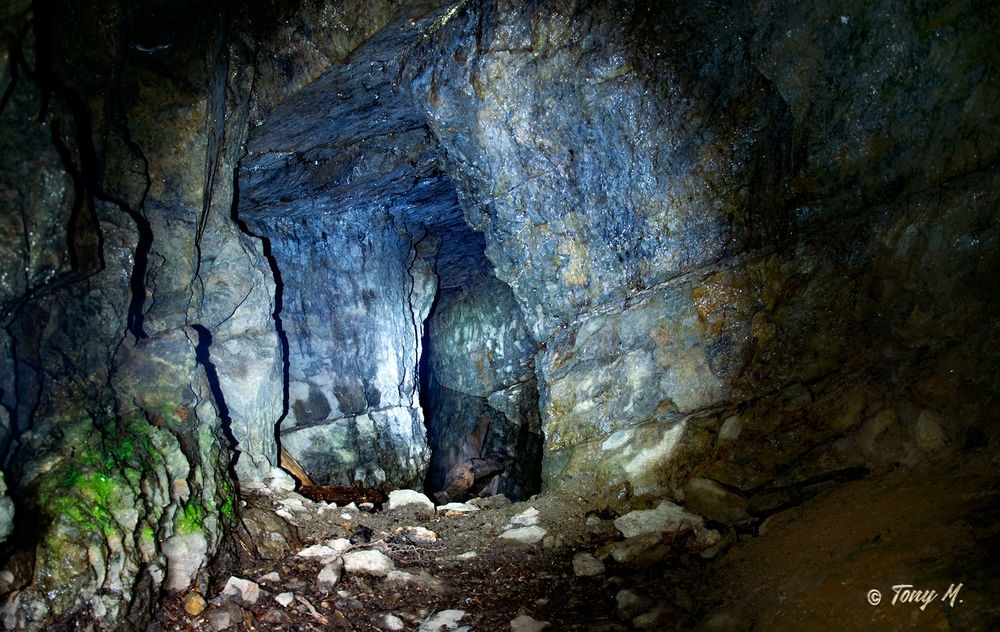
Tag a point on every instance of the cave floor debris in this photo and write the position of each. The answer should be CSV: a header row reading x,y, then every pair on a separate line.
x,y
468,568
792,571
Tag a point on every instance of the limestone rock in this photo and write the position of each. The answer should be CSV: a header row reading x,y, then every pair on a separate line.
x,y
523,535
242,590
421,579
524,623
408,498
629,603
419,535
667,517
442,620
630,550
368,562
186,554
460,508
225,615
320,551
710,499
329,575
586,565
392,622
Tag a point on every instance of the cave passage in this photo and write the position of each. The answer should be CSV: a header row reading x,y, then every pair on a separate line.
x,y
404,353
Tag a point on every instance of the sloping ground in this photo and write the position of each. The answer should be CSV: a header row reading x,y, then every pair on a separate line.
x,y
913,536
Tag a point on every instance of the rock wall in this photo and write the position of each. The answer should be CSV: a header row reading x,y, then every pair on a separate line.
x,y
746,244
704,214
353,313
142,367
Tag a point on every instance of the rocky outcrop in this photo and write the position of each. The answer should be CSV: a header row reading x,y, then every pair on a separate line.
x,y
702,244
144,362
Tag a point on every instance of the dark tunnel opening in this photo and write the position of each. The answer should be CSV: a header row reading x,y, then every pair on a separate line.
x,y
476,377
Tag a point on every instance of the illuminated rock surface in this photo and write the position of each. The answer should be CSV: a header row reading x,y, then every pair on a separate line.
x,y
732,256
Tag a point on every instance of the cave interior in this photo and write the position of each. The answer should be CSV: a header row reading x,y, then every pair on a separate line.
x,y
737,257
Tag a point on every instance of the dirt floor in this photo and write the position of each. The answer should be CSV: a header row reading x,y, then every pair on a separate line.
x,y
815,566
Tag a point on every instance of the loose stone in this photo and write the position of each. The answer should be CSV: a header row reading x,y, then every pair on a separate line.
x,y
329,575
400,498
668,517
524,535
243,590
524,623
368,562
194,603
586,565
443,620
318,550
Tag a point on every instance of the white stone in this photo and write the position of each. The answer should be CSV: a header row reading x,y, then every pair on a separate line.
x,y
279,480
524,535
422,579
400,498
526,518
524,623
340,545
292,503
285,599
318,550
392,622
368,562
586,565
444,620
243,590
329,575
419,535
666,518
457,508
270,578
185,553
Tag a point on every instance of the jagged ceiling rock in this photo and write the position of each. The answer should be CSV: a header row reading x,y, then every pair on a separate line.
x,y
352,139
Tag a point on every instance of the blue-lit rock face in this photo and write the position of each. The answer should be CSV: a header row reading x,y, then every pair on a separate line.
x,y
625,246
364,228
687,235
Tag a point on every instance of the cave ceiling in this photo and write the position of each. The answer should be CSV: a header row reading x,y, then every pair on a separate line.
x,y
354,141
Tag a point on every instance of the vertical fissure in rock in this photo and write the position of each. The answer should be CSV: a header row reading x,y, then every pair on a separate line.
x,y
279,292
204,358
